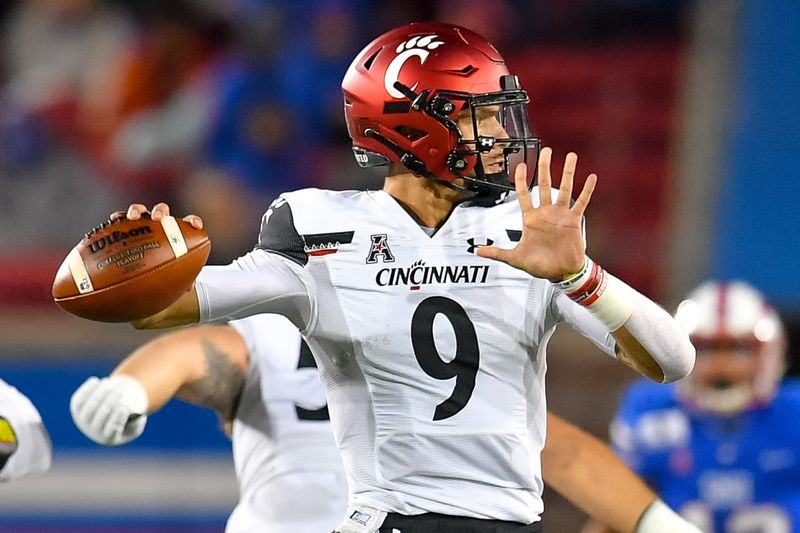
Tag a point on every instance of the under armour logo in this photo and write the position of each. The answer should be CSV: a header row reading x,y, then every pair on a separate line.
x,y
473,245
379,248
485,144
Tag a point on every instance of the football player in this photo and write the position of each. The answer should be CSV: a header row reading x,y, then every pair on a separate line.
x,y
259,376
433,355
721,446
24,443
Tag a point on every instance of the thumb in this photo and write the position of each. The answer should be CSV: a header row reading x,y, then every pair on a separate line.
x,y
493,252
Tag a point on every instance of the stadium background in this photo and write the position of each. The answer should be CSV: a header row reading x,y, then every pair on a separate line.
x,y
687,110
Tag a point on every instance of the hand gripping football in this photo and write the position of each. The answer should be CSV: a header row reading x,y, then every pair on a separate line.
x,y
126,270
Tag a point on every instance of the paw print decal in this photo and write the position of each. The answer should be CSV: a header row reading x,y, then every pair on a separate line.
x,y
419,46
426,41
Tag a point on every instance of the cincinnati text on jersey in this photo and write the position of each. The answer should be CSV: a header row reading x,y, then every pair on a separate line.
x,y
419,274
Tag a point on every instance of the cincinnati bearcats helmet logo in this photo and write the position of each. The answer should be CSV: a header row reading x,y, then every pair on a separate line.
x,y
379,248
419,46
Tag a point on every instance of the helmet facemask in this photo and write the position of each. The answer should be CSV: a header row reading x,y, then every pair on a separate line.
x,y
496,139
491,132
724,380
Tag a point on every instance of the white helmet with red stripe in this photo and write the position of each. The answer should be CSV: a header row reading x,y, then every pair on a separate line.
x,y
741,348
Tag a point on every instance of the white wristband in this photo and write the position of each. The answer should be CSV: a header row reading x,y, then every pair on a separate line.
x,y
605,296
615,303
658,518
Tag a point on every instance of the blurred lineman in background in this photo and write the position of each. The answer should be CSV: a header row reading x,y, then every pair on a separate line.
x,y
259,376
269,398
722,446
24,443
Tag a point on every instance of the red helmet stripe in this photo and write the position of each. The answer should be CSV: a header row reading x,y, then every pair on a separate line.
x,y
722,310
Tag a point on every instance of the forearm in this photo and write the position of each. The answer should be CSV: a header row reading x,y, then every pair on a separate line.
x,y
259,282
164,365
204,365
183,312
647,338
653,343
585,471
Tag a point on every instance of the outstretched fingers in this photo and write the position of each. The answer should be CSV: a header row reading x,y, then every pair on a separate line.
x,y
545,183
493,252
521,185
567,178
586,194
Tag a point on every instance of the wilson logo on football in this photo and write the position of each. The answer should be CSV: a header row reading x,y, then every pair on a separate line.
x,y
419,274
117,236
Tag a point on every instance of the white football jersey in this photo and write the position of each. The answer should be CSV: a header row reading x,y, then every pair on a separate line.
x,y
289,470
24,443
433,357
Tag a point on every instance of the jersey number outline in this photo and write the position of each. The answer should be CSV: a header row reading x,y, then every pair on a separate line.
x,y
463,367
306,360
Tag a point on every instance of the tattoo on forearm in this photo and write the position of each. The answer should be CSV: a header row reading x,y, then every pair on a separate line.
x,y
221,386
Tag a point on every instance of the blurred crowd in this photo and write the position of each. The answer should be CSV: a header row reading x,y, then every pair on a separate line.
x,y
214,105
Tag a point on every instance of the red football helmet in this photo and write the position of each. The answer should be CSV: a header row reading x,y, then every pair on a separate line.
x,y
439,99
741,348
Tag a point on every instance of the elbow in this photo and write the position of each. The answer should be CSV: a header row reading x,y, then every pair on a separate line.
x,y
683,363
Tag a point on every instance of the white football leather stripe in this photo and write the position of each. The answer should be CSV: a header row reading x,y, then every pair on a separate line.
x,y
79,274
174,236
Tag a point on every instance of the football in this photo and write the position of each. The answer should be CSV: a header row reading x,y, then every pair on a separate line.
x,y
125,269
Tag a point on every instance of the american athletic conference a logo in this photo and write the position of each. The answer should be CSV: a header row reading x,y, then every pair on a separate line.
x,y
419,46
379,248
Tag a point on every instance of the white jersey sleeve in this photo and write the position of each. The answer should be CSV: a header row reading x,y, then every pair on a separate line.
x,y
652,326
581,320
24,443
270,279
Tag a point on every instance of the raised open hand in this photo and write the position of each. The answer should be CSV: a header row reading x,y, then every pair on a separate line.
x,y
552,245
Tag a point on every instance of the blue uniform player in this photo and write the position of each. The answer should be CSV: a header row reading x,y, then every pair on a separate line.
x,y
722,446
